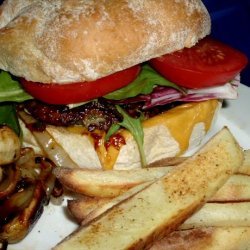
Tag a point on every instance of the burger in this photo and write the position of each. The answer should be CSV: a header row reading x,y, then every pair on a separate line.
x,y
114,84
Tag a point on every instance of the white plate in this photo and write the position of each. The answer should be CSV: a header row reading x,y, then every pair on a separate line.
x,y
54,224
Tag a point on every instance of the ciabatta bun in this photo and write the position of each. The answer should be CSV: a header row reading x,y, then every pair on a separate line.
x,y
166,135
71,41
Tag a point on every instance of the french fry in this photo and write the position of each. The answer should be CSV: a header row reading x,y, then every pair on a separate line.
x,y
170,161
81,208
88,209
111,183
236,189
220,215
162,206
229,217
206,239
113,202
245,167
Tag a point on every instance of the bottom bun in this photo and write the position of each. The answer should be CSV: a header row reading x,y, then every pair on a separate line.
x,y
166,135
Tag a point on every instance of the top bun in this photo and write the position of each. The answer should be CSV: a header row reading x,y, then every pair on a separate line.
x,y
69,41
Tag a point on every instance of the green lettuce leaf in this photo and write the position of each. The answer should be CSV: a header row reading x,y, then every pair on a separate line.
x,y
11,90
143,84
8,117
134,126
112,130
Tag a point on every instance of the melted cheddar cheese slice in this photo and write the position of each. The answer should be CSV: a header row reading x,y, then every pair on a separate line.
x,y
166,135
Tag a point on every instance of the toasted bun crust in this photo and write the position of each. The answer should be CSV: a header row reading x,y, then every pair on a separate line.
x,y
69,41
162,138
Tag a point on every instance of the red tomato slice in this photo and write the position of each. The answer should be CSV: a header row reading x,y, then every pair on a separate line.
x,y
208,63
80,91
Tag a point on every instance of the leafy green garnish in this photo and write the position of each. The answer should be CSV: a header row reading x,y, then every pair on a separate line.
x,y
143,84
8,117
11,90
134,126
112,130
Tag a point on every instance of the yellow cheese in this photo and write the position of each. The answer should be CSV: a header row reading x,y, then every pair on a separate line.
x,y
180,121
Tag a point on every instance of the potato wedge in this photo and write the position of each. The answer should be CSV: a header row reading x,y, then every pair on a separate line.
x,y
111,183
245,167
161,207
220,215
206,239
236,189
170,161
94,210
81,208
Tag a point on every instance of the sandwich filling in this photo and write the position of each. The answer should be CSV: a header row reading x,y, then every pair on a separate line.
x,y
147,93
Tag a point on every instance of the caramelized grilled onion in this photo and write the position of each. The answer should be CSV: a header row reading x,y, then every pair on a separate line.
x,y
10,177
25,188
